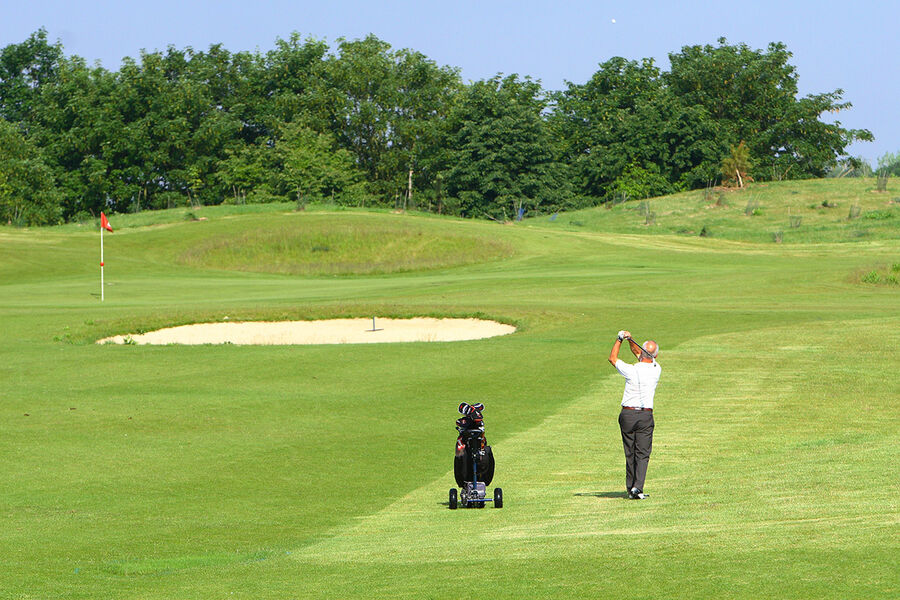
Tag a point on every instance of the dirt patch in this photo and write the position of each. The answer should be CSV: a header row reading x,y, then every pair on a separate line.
x,y
334,331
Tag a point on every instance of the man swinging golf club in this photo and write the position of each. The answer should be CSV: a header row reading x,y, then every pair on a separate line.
x,y
636,417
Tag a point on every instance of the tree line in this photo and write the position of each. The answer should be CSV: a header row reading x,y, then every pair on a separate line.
x,y
365,124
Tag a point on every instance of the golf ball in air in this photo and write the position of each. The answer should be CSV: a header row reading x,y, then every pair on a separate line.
x,y
612,20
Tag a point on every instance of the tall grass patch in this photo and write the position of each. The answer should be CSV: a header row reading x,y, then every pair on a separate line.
x,y
342,245
815,211
884,275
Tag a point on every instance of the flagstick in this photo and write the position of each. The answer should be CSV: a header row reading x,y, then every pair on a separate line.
x,y
101,265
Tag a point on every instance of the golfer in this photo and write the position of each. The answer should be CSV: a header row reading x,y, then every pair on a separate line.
x,y
636,417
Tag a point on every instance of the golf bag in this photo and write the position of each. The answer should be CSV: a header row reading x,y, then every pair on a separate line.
x,y
474,457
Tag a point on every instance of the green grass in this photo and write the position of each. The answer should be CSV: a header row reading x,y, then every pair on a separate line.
x,y
885,275
353,245
790,212
149,218
322,472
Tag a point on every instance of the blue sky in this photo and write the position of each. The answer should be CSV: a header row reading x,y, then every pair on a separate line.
x,y
854,46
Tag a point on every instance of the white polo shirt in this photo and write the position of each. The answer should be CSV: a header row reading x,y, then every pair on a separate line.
x,y
640,383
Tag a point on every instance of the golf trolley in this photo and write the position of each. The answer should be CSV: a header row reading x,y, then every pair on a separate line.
x,y
473,465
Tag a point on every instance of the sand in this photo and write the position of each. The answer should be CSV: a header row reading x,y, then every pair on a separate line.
x,y
334,331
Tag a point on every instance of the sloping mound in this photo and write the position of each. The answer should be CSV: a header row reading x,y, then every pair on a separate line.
x,y
334,331
341,245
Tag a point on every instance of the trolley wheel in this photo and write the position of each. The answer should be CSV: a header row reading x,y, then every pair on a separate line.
x,y
453,499
498,498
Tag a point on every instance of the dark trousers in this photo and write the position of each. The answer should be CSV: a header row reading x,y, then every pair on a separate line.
x,y
637,438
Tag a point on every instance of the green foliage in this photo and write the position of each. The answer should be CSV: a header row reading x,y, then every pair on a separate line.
x,y
736,166
889,163
752,96
872,277
851,166
24,71
383,106
497,155
638,182
888,166
312,168
880,215
624,127
365,124
28,194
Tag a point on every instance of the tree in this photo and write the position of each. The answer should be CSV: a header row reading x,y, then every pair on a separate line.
x,y
384,106
180,120
752,97
636,182
245,174
850,166
72,123
285,84
181,125
426,93
312,168
24,69
736,166
594,121
497,152
889,164
28,194
363,94
624,124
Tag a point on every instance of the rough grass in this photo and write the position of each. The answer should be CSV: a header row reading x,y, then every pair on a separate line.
x,y
342,245
273,472
882,275
790,212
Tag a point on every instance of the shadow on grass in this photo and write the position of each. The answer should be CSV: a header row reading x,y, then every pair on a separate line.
x,y
620,494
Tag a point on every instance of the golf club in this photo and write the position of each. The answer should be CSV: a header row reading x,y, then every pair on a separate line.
x,y
631,340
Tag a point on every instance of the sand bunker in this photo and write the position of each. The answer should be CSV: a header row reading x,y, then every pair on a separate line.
x,y
335,331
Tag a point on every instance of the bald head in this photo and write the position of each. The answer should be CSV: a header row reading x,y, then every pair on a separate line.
x,y
649,350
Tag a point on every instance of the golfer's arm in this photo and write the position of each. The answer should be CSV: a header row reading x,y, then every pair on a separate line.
x,y
635,347
614,353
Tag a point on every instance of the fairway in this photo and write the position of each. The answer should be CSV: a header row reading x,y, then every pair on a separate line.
x,y
226,471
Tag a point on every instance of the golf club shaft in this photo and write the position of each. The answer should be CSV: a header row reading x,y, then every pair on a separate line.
x,y
631,340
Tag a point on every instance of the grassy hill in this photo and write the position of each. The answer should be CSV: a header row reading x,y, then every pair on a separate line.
x,y
790,212
322,471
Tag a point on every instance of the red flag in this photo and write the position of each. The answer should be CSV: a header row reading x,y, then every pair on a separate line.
x,y
104,223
